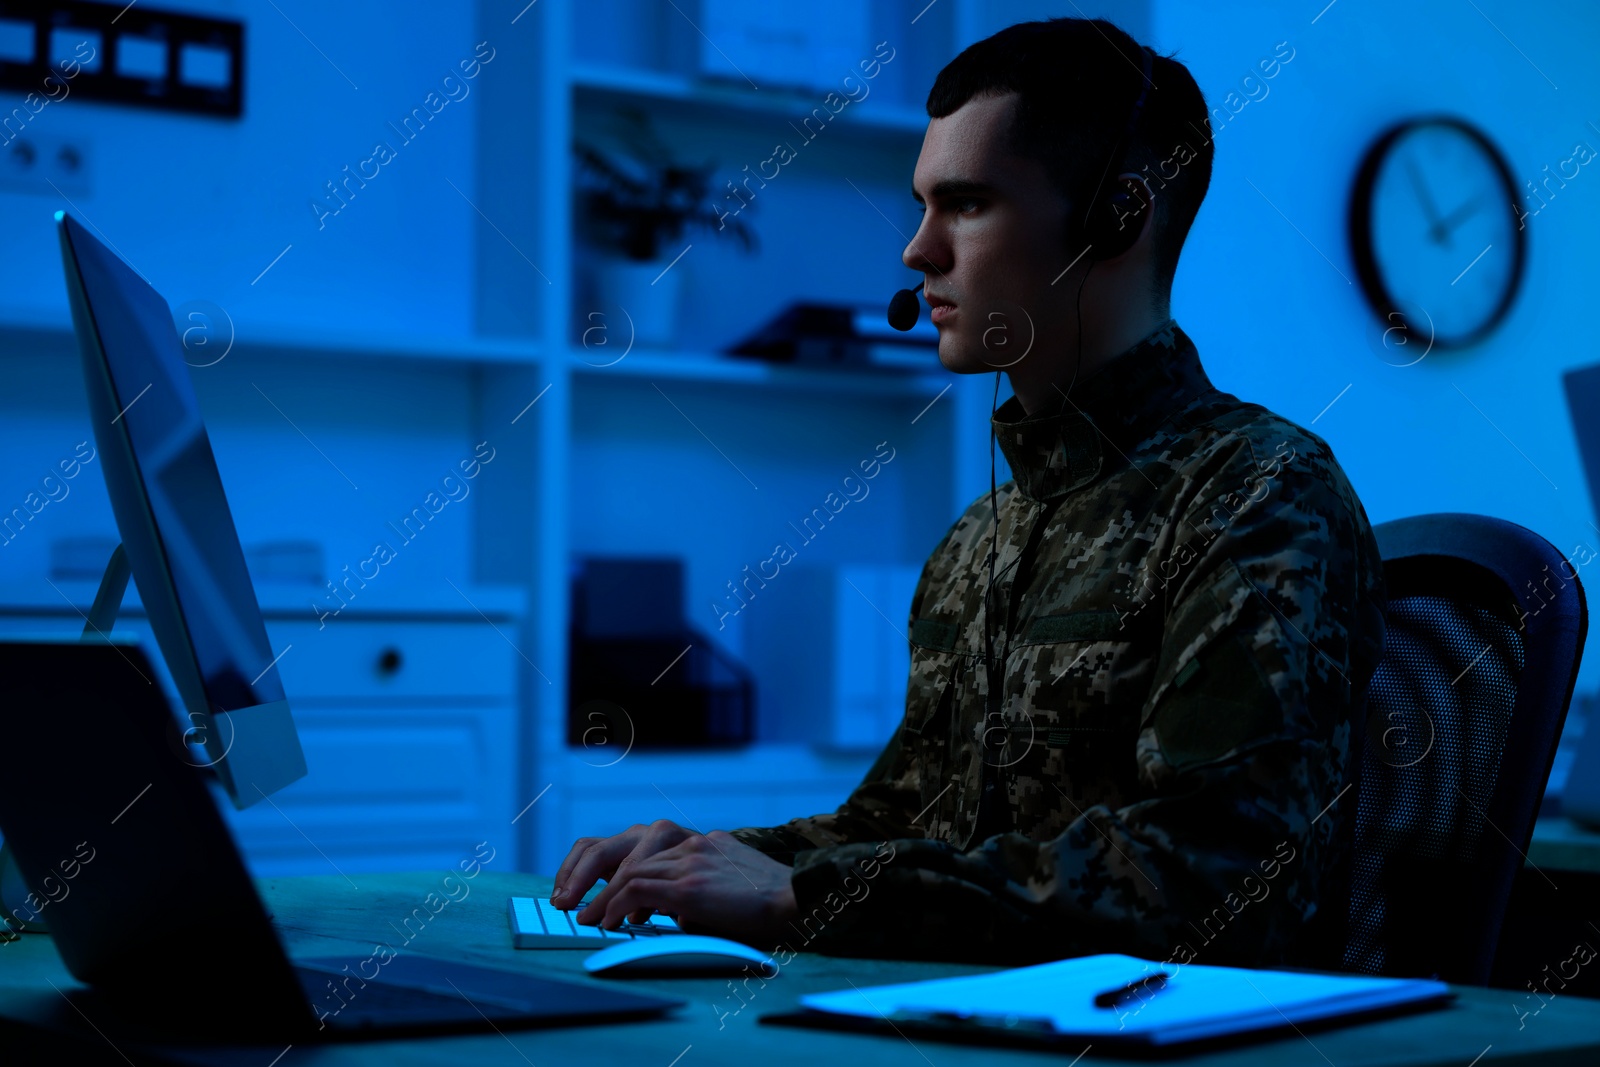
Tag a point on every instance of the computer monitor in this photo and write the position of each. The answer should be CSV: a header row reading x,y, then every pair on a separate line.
x,y
1583,391
1580,783
177,531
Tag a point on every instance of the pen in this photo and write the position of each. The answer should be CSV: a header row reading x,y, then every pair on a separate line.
x,y
1114,998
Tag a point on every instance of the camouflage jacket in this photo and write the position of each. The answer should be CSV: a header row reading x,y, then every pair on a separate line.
x,y
1187,610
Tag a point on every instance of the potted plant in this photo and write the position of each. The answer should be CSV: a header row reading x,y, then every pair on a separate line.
x,y
635,205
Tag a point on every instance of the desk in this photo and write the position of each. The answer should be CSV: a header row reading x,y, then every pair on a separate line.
x,y
1559,844
325,915
1555,904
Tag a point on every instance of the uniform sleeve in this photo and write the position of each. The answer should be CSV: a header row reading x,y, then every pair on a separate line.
x,y
1244,747
880,808
884,806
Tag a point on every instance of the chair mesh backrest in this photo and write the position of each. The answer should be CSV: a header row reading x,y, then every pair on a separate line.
x,y
1438,714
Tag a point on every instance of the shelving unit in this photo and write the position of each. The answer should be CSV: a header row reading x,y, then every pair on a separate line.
x,y
687,451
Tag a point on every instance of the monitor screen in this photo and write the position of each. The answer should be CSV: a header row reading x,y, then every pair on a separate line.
x,y
1583,401
173,516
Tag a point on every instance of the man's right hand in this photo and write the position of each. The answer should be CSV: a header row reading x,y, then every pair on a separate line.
x,y
594,858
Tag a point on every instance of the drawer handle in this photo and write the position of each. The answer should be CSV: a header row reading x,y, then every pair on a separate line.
x,y
389,662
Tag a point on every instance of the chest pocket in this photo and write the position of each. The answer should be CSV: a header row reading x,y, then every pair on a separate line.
x,y
1068,665
941,686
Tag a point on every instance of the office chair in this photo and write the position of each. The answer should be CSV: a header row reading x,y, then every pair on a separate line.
x,y
1484,635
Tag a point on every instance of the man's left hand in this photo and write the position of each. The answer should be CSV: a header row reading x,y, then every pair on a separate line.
x,y
714,883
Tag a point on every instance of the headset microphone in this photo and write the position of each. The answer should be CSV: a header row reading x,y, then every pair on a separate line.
x,y
904,309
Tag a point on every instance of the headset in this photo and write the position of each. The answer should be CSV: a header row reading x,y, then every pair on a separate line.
x,y
1106,236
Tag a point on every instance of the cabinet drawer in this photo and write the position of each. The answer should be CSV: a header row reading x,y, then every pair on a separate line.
x,y
348,660
387,660
387,787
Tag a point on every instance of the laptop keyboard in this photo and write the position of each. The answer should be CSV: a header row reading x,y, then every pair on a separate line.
x,y
347,1002
536,923
409,992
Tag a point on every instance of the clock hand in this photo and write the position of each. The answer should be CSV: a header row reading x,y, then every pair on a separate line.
x,y
1427,202
1455,218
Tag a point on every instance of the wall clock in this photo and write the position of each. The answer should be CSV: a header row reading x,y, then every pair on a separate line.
x,y
1434,230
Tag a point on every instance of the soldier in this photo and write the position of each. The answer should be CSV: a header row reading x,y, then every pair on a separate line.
x,y
1138,666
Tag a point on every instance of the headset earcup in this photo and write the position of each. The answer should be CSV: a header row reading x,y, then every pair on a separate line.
x,y
1115,224
1096,237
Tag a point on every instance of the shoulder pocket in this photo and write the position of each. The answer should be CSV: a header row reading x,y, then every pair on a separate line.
x,y
1213,694
936,634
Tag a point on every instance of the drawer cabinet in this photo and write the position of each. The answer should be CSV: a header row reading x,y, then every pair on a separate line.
x,y
411,727
388,788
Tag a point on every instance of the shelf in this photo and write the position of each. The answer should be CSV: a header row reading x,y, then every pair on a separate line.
x,y
72,596
610,82
32,328
711,368
321,344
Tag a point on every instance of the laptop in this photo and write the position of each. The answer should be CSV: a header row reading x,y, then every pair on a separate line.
x,y
151,906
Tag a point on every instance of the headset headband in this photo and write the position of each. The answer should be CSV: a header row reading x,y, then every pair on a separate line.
x,y
1127,137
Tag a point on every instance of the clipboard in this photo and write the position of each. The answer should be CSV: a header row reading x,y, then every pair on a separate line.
x,y
1052,1005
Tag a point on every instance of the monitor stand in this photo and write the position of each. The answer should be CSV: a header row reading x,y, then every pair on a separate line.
x,y
108,598
14,889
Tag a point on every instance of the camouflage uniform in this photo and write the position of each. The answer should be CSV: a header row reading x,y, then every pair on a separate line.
x,y
1188,609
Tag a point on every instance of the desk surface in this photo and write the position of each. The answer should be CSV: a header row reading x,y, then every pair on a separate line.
x,y
1559,844
330,916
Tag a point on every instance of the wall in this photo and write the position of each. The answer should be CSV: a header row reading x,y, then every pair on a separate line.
x,y
201,206
1134,16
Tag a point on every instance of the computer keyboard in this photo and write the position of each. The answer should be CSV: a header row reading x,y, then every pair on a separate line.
x,y
536,923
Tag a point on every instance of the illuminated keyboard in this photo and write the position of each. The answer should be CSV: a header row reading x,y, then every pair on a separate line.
x,y
536,923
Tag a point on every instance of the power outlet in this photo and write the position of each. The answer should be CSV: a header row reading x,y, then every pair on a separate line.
x,y
46,164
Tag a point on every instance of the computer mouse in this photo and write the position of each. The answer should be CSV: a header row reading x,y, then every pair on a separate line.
x,y
679,956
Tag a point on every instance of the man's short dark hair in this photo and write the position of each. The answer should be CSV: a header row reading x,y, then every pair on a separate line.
x,y
1077,80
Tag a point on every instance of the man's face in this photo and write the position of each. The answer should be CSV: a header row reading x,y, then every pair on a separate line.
x,y
990,243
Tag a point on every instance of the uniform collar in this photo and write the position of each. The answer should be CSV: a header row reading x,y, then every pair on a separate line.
x,y
1052,454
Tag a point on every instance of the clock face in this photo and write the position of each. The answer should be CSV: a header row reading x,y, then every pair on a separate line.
x,y
1435,233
